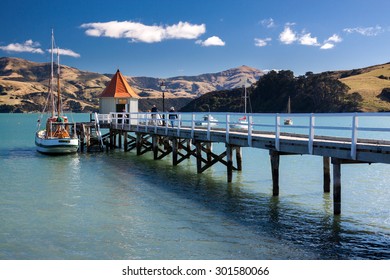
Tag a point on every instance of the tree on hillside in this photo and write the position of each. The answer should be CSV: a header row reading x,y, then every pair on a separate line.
x,y
321,93
273,90
309,93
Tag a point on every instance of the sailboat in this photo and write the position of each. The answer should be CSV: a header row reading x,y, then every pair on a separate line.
x,y
288,121
59,135
242,122
206,119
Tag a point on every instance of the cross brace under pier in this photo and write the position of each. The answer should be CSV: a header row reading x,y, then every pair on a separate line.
x,y
181,149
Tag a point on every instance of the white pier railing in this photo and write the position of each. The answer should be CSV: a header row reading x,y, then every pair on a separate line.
x,y
348,127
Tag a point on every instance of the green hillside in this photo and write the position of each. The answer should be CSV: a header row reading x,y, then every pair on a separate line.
x,y
366,89
310,93
369,83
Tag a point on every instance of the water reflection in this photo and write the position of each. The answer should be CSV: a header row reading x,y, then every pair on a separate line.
x,y
318,232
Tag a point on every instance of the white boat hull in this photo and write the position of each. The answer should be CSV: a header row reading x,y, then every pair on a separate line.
x,y
55,145
205,124
241,124
206,120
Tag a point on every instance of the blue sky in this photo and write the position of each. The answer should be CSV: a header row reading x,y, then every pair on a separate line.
x,y
170,38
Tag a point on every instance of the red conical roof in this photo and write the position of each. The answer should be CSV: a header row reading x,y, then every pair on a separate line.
x,y
119,88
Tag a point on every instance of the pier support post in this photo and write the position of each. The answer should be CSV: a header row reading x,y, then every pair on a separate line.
x,y
238,158
275,158
139,143
155,146
326,165
120,139
209,150
111,139
82,137
198,146
125,142
174,150
116,139
229,165
88,133
336,186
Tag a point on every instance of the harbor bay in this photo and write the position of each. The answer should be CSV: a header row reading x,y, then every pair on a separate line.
x,y
116,205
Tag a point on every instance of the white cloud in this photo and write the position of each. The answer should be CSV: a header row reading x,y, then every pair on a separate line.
x,y
262,42
335,38
365,31
327,46
28,46
138,32
269,23
66,52
288,36
185,30
307,40
330,42
212,41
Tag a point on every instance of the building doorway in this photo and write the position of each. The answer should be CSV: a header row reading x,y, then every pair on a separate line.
x,y
121,107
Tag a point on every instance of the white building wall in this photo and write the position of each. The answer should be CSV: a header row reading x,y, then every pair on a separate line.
x,y
133,105
107,105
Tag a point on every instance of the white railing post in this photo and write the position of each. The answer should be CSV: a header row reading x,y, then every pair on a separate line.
x,y
208,127
146,122
311,134
227,128
250,131
192,125
123,119
277,132
179,125
114,119
355,123
98,132
166,121
137,121
155,121
145,118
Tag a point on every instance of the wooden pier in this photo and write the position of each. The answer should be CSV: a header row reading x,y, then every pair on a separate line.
x,y
141,132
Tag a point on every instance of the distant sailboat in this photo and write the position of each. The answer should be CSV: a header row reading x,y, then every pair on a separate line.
x,y
206,120
59,136
288,121
242,122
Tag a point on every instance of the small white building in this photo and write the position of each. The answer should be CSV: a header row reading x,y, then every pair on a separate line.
x,y
118,96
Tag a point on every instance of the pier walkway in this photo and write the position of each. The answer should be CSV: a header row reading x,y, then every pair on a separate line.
x,y
343,138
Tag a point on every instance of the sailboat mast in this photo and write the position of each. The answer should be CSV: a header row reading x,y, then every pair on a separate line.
x,y
245,98
52,74
58,84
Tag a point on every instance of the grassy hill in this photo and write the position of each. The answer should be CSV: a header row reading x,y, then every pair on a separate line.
x,y
369,82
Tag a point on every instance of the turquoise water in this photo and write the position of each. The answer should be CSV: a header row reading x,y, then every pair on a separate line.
x,y
118,205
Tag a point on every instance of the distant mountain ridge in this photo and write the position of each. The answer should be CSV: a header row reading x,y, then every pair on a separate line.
x,y
23,85
193,86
